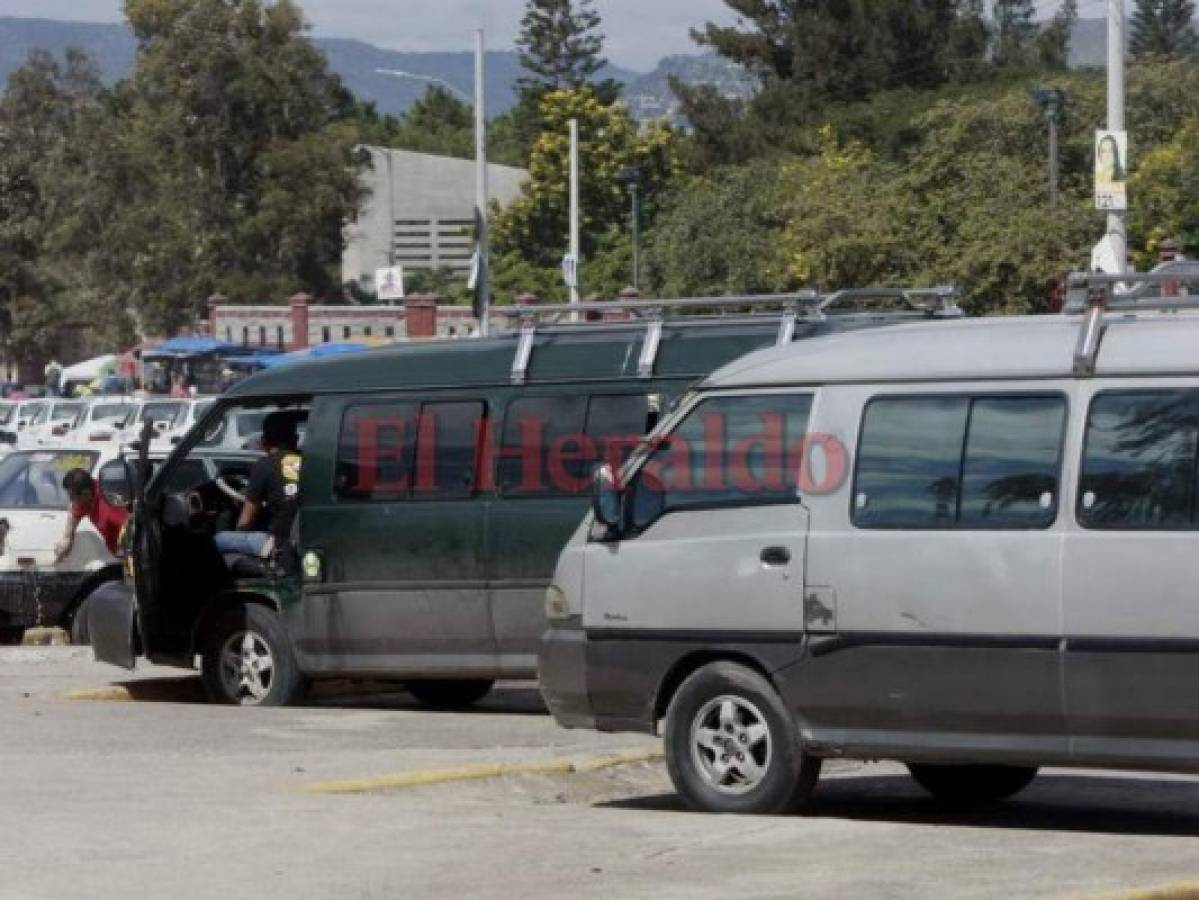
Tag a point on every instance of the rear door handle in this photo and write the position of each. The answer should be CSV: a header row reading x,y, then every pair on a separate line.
x,y
775,556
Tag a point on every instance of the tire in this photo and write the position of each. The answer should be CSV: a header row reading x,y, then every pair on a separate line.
x,y
449,694
972,785
726,706
81,632
248,660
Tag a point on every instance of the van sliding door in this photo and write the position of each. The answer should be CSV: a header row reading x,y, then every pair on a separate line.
x,y
398,523
1132,586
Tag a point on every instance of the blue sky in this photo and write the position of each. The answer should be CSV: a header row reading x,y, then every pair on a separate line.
x,y
640,32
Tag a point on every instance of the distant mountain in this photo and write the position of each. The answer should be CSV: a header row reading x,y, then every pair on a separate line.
x,y
358,63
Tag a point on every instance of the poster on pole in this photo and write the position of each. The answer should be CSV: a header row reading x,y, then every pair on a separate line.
x,y
1111,171
389,283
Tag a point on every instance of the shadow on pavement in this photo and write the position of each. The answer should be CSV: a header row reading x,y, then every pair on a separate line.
x,y
503,700
1054,802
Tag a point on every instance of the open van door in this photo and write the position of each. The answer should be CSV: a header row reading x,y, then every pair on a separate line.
x,y
117,615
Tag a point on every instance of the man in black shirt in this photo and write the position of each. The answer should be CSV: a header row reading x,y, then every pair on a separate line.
x,y
273,495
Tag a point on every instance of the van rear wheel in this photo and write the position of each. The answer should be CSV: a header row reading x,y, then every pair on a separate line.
x,y
248,660
732,746
446,693
972,784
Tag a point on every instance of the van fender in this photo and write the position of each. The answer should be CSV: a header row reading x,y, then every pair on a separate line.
x,y
94,581
221,603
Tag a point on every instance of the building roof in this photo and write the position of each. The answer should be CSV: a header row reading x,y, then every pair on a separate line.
x,y
974,349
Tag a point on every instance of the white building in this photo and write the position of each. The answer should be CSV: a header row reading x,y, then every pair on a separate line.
x,y
419,214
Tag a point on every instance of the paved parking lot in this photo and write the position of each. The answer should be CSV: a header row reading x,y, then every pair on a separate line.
x,y
169,797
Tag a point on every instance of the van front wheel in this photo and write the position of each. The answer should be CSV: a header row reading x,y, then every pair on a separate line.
x,y
447,693
248,661
732,746
972,784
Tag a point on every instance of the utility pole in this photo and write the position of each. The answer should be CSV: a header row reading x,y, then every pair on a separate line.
x,y
632,177
1116,230
482,288
574,212
1053,102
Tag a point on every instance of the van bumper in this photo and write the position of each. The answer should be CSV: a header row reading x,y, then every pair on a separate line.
x,y
112,614
562,671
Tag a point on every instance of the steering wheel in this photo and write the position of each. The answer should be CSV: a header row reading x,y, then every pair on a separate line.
x,y
232,486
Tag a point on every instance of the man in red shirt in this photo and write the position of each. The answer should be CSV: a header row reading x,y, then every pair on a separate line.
x,y
87,503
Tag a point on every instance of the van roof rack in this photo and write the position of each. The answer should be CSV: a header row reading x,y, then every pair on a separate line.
x,y
1094,294
787,309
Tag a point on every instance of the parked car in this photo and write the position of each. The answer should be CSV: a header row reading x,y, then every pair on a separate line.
x,y
439,480
105,419
56,427
169,417
980,561
35,590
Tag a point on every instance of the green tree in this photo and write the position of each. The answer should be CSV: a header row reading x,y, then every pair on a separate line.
x,y
560,45
229,110
1163,28
1053,43
1166,191
719,234
54,208
1015,32
535,226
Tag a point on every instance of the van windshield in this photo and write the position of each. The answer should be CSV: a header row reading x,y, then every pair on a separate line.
x,y
164,414
111,412
34,480
6,412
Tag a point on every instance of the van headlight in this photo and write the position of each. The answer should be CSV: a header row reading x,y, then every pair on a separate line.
x,y
556,606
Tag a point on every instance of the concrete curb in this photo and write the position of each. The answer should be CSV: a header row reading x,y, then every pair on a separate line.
x,y
400,780
45,637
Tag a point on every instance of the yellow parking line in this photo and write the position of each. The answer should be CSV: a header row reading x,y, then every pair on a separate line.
x,y
110,694
1188,891
560,766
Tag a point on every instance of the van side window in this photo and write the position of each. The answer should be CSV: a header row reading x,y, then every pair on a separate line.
x,y
447,450
539,434
728,451
550,444
959,462
406,451
376,450
1138,467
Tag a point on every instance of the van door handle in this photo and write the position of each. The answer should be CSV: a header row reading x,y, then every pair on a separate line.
x,y
775,556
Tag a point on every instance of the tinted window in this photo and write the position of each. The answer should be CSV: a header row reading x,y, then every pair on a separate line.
x,y
944,462
34,480
376,450
447,444
539,445
1010,476
909,458
728,451
615,425
1138,467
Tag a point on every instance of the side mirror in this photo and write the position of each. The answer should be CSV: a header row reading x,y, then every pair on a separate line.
x,y
116,485
605,497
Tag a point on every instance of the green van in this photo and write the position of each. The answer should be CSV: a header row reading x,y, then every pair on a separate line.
x,y
439,481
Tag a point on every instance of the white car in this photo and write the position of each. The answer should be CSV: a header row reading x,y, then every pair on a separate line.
x,y
170,417
105,419
55,426
34,507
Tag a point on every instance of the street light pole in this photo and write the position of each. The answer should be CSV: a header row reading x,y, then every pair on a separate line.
x,y
1053,101
632,177
1117,232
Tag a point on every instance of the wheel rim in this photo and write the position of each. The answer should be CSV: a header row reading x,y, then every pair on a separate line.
x,y
247,668
730,744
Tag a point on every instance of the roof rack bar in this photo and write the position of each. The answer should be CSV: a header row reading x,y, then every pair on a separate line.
x,y
651,306
1080,286
649,349
786,327
524,350
1086,351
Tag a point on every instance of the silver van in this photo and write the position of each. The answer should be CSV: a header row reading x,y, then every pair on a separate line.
x,y
969,546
